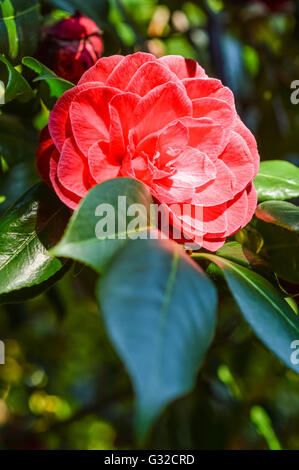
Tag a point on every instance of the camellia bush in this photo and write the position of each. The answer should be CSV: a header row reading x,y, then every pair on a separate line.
x,y
149,157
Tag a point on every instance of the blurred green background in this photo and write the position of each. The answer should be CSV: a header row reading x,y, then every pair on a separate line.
x,y
63,386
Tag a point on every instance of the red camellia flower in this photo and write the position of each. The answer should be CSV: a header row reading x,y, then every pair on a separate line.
x,y
163,122
71,46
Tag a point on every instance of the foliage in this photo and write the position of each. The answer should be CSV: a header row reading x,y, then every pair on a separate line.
x,y
169,362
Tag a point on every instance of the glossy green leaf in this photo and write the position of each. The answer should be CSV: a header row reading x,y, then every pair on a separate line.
x,y
57,86
265,310
277,179
253,248
20,24
160,311
16,87
27,230
80,241
281,213
26,293
246,254
234,252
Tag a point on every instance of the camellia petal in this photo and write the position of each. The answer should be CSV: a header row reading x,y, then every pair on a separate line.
x,y
237,158
59,122
252,202
234,208
101,166
150,75
245,133
212,244
192,169
89,116
72,169
176,134
101,71
217,191
159,107
121,108
208,87
217,110
125,69
183,68
67,197
206,135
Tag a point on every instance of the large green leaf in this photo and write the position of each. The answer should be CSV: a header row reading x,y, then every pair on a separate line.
x,y
19,28
80,241
281,213
27,230
160,312
277,179
15,84
265,310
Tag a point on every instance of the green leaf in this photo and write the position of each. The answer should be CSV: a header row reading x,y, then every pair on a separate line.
x,y
242,254
80,241
277,179
19,28
265,310
27,230
283,214
26,293
253,248
160,311
16,87
56,85
234,252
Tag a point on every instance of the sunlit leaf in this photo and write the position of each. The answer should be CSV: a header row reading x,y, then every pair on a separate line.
x,y
277,179
281,213
16,87
27,230
57,86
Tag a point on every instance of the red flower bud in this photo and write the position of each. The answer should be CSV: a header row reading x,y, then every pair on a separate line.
x,y
71,46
